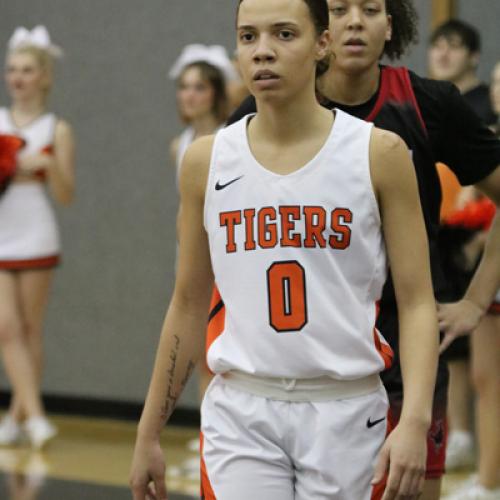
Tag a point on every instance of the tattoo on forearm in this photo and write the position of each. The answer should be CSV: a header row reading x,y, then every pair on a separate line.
x,y
189,370
172,394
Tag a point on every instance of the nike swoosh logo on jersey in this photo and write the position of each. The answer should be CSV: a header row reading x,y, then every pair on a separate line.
x,y
370,423
219,186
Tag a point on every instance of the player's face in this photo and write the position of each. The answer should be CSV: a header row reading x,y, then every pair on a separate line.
x,y
450,59
24,77
360,29
195,96
495,88
278,47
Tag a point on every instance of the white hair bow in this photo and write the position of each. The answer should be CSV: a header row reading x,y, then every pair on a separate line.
x,y
37,37
216,55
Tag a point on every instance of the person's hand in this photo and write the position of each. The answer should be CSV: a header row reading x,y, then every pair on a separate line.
x,y
147,474
33,164
457,319
404,455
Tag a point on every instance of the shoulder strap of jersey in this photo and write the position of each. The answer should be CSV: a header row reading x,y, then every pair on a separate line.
x,y
395,86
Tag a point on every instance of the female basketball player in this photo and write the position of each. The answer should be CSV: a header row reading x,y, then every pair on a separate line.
x,y
202,103
29,240
436,125
286,210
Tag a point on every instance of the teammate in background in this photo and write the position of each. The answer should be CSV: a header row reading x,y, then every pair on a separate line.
x,y
479,312
29,238
201,73
436,125
288,210
454,56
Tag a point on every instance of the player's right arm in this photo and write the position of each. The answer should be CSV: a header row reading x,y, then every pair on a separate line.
x,y
183,330
395,184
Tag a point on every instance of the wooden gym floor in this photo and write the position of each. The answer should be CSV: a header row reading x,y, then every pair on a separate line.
x,y
90,459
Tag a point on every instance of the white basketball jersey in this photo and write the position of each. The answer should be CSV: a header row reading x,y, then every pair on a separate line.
x,y
299,259
39,134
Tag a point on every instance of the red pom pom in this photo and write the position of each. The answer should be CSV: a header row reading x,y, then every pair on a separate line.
x,y
476,215
9,147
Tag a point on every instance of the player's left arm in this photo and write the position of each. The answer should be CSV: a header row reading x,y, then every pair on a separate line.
x,y
395,184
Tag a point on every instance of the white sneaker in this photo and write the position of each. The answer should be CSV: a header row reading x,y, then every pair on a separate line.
x,y
460,450
40,431
474,491
11,431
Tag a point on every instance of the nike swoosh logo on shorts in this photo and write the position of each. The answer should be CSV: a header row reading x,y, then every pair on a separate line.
x,y
219,186
370,423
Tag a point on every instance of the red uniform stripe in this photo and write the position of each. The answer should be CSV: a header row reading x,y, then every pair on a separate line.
x,y
39,263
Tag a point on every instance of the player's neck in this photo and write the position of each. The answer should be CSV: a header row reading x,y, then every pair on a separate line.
x,y
290,120
467,82
350,88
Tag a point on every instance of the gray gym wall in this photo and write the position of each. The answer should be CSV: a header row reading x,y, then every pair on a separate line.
x,y
110,294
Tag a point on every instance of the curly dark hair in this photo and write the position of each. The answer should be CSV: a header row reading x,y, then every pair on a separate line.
x,y
404,27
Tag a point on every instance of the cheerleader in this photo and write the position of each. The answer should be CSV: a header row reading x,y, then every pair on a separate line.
x,y
201,73
29,237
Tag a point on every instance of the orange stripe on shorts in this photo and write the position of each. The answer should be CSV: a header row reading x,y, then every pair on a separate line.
x,y
207,493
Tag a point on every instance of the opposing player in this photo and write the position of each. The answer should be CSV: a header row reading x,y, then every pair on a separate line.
x,y
435,124
288,210
29,239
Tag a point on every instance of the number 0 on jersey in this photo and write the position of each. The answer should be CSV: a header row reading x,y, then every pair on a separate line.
x,y
286,288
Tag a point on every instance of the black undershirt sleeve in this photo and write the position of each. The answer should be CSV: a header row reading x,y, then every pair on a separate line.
x,y
458,137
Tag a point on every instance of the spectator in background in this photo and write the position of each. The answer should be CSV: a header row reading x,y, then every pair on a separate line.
x,y
29,239
201,73
454,55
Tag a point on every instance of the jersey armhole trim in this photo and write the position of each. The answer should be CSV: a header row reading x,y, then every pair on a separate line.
x,y
372,195
210,177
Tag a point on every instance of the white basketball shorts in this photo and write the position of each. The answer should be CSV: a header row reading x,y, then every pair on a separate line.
x,y
255,447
